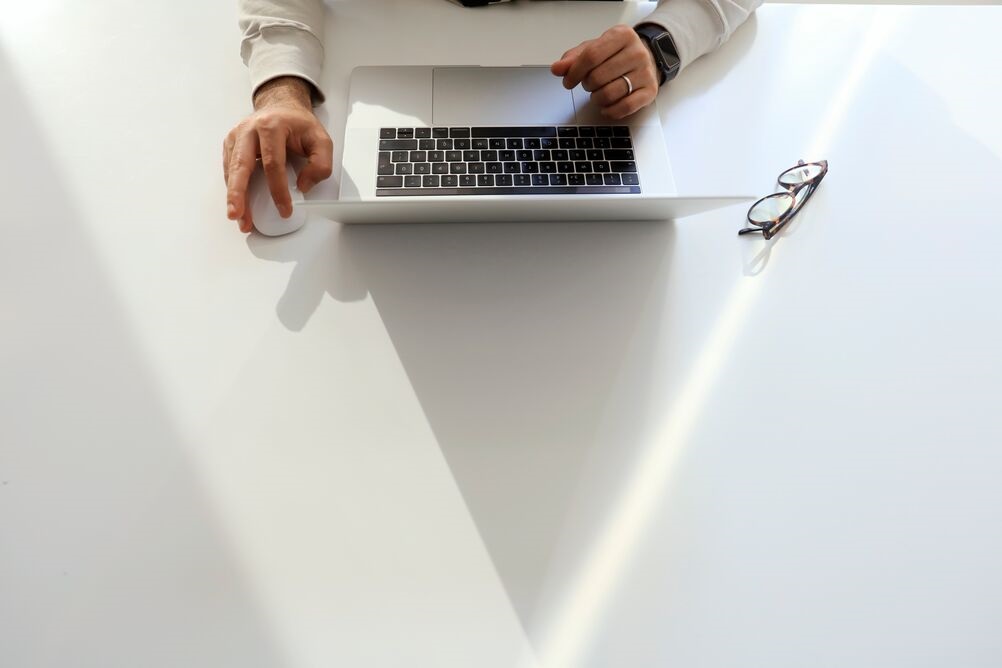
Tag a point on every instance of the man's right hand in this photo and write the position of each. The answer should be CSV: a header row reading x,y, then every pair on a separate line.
x,y
283,121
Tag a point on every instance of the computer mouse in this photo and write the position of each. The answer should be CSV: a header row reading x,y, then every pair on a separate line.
x,y
267,220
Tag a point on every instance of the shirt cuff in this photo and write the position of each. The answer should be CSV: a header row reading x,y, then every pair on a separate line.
x,y
694,26
278,51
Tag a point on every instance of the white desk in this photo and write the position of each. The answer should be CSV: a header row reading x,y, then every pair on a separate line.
x,y
503,445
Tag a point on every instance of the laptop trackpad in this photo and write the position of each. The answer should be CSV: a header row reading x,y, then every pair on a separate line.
x,y
500,96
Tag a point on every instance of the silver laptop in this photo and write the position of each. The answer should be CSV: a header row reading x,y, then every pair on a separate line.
x,y
449,144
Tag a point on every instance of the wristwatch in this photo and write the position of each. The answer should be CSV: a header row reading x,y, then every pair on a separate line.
x,y
661,44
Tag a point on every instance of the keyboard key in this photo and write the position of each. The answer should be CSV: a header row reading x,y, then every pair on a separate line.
x,y
600,166
426,144
522,179
545,167
503,180
412,181
471,156
397,144
439,168
439,133
497,143
480,144
565,167
559,155
558,179
422,168
511,168
575,179
586,131
506,156
621,131
567,142
436,156
586,142
540,180
485,180
399,156
385,170
418,156
405,133
453,156
577,154
593,179
523,155
459,132
443,144
477,168
489,156
628,166
461,144
603,142
389,182
595,154
495,168
515,143
630,179
621,142
603,131
547,142
583,167
567,131
388,133
422,133
430,181
618,154
612,180
530,167
532,143
405,168
467,180
540,155
450,181
457,168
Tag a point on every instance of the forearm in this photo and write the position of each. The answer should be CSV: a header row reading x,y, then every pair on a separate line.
x,y
701,26
283,38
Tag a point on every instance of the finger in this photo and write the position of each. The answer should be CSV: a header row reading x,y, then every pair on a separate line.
x,y
560,67
227,149
273,160
630,104
319,161
596,53
243,160
610,72
246,221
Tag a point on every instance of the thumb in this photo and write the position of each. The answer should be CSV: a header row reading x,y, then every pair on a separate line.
x,y
562,66
319,163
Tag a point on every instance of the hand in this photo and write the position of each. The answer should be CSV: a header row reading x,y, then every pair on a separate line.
x,y
283,121
599,65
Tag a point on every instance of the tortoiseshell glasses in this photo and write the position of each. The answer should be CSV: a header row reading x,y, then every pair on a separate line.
x,y
770,214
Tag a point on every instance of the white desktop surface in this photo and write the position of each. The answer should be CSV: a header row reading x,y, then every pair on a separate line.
x,y
503,445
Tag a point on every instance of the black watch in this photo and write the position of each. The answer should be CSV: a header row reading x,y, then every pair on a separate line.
x,y
661,44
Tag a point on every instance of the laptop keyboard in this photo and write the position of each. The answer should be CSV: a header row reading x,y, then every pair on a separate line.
x,y
536,160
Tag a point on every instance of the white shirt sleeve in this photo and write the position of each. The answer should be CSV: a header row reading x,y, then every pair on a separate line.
x,y
701,26
283,38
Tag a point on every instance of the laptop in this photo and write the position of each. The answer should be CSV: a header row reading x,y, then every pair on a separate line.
x,y
454,144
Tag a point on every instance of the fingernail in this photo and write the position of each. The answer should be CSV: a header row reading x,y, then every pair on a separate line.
x,y
231,212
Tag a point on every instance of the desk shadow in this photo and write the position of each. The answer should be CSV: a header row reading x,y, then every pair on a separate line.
x,y
513,337
108,535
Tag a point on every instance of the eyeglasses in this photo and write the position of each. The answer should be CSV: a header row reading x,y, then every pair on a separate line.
x,y
771,213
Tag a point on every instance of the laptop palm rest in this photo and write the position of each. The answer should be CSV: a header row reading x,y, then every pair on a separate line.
x,y
500,96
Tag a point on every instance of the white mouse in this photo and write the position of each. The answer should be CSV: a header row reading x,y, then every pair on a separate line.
x,y
266,217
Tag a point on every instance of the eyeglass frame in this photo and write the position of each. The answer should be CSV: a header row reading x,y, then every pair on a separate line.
x,y
769,230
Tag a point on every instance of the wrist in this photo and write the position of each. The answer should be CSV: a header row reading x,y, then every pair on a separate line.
x,y
287,90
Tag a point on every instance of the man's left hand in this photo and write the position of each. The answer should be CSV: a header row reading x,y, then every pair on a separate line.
x,y
599,65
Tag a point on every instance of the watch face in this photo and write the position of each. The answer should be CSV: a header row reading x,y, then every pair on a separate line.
x,y
667,48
